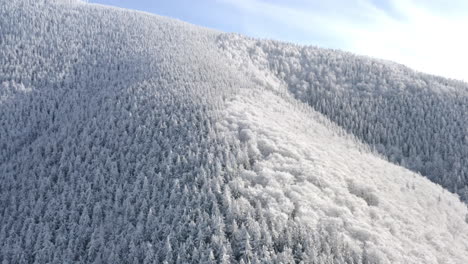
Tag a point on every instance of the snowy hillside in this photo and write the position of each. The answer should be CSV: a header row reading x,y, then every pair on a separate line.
x,y
415,120
132,138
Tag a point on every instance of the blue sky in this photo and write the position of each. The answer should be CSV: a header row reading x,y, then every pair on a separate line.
x,y
427,35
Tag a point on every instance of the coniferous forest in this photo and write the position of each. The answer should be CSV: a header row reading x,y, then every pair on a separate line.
x,y
127,137
415,120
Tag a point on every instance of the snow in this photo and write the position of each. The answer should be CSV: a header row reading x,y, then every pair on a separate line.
x,y
132,138
329,179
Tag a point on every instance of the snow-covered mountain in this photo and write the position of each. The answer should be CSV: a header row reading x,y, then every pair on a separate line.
x,y
415,120
132,138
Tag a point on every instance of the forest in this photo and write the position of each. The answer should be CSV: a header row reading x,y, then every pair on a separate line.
x,y
132,138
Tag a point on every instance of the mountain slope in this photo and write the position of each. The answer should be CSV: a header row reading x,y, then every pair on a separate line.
x,y
132,138
415,120
317,177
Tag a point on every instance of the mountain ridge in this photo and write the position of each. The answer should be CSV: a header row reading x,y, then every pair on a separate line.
x,y
133,138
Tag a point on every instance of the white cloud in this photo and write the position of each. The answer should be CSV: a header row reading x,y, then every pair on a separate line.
x,y
427,35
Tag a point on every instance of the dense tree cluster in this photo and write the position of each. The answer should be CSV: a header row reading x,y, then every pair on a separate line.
x,y
415,120
110,151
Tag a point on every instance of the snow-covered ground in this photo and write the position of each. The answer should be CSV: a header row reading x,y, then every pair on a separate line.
x,y
306,170
132,138
414,120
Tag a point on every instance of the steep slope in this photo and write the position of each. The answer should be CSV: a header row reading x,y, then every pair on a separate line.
x,y
304,171
415,120
132,138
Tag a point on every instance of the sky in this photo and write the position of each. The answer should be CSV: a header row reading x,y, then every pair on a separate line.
x,y
426,35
